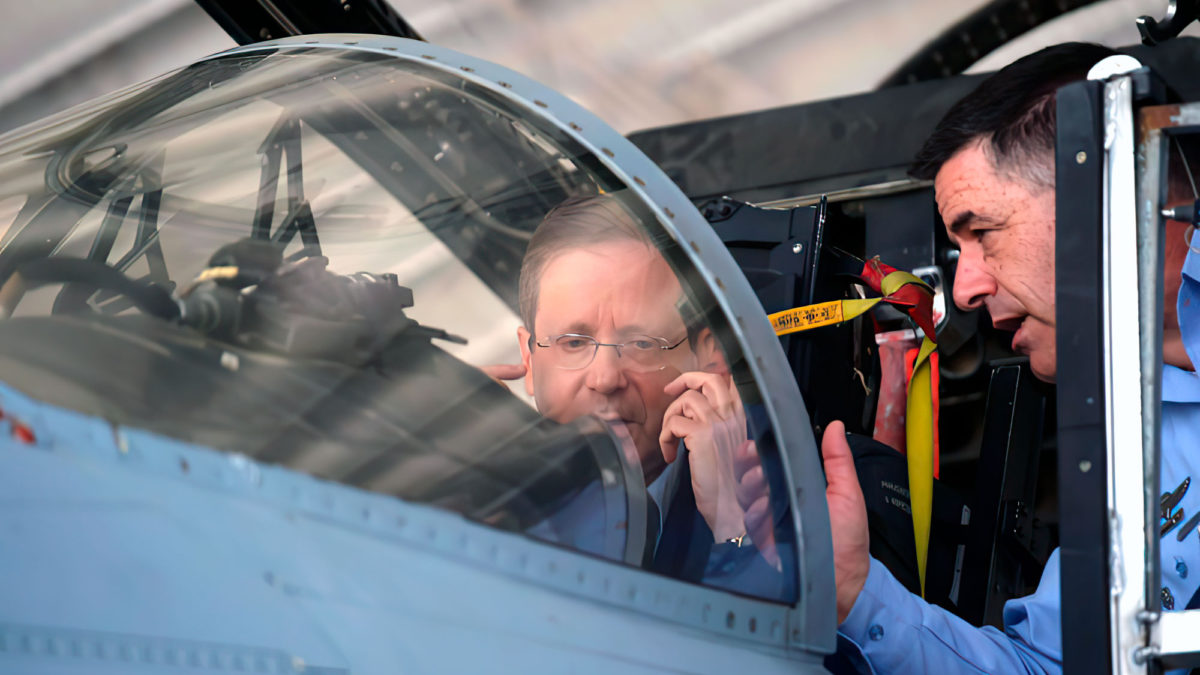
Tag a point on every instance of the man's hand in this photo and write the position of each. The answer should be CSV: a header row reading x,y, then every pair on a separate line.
x,y
708,416
754,496
847,517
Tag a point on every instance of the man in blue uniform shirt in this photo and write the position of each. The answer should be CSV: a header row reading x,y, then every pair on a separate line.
x,y
992,162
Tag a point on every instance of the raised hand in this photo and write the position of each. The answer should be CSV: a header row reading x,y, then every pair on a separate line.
x,y
708,417
755,499
847,517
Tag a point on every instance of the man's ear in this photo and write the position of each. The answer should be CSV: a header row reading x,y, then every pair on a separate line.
x,y
526,342
708,353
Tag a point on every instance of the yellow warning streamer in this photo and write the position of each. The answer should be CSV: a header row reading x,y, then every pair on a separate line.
x,y
822,314
918,427
919,432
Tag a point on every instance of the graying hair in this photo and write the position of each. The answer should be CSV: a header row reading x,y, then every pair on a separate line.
x,y
577,223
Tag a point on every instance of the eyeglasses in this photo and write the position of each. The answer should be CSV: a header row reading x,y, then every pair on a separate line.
x,y
645,353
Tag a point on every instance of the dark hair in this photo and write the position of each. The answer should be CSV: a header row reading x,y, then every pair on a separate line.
x,y
1014,111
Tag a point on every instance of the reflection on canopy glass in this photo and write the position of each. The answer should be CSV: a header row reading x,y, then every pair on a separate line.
x,y
336,261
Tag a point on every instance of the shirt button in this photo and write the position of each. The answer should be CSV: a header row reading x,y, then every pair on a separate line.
x,y
875,632
1181,568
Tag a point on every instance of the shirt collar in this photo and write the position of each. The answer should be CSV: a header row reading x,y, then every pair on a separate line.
x,y
1181,386
658,487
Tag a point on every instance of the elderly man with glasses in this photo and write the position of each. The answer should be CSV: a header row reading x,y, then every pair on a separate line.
x,y
604,334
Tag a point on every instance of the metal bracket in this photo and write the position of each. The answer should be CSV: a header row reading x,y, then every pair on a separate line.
x,y
1179,14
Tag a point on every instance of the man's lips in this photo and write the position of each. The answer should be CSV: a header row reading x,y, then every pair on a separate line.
x,y
1012,324
614,416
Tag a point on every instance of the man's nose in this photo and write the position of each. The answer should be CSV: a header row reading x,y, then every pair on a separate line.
x,y
973,281
605,373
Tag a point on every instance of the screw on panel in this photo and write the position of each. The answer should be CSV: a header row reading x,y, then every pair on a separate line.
x,y
351,42
695,246
466,69
607,152
1080,157
797,247
668,212
575,127
184,466
505,85
431,57
540,104
730,620
1085,466
753,625
639,181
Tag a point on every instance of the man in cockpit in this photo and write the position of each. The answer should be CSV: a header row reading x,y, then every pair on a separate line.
x,y
604,333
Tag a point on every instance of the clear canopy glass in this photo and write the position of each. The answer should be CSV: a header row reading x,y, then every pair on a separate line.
x,y
349,264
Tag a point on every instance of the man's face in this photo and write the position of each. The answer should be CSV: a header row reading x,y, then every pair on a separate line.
x,y
1004,229
610,291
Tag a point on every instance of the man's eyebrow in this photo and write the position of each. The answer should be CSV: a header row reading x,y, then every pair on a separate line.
x,y
963,219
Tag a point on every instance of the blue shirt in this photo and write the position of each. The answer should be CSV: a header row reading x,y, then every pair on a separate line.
x,y
896,632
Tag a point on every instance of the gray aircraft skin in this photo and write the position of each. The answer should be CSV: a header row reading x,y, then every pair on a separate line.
x,y
245,425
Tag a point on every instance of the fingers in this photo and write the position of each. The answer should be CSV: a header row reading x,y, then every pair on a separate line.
x,y
715,388
675,428
760,525
847,518
745,458
758,519
692,405
504,371
752,486
839,462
